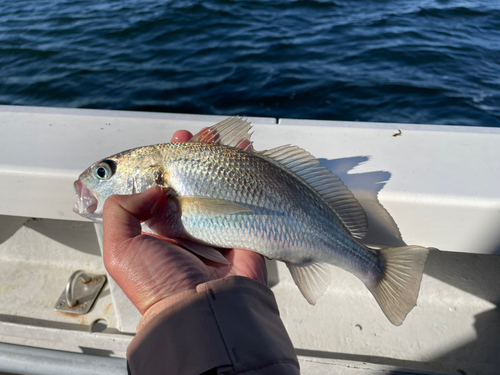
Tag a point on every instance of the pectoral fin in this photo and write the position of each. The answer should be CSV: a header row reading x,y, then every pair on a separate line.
x,y
203,251
209,205
312,279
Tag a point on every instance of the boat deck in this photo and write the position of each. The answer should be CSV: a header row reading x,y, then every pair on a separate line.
x,y
435,186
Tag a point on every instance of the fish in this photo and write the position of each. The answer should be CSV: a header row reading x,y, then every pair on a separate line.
x,y
281,203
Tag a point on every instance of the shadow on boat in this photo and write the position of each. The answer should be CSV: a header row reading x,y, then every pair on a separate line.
x,y
479,356
382,229
476,274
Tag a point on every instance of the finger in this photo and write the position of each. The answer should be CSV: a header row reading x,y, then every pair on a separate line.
x,y
208,135
181,136
246,144
122,215
247,263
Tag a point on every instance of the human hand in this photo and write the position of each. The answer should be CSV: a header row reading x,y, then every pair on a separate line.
x,y
150,269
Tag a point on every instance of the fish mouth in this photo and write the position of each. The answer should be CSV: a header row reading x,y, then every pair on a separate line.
x,y
86,202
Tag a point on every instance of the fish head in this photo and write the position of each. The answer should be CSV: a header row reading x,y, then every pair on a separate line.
x,y
129,172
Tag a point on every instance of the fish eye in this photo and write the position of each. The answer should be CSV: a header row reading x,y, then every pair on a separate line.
x,y
105,169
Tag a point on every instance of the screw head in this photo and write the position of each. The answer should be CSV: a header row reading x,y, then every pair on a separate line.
x,y
82,307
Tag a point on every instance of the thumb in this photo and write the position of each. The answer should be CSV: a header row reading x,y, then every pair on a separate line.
x,y
123,214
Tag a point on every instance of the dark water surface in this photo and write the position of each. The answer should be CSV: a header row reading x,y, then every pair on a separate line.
x,y
417,61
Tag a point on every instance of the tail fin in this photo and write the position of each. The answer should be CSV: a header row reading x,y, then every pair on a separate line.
x,y
397,290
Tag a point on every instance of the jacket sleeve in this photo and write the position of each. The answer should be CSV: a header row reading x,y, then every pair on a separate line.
x,y
231,325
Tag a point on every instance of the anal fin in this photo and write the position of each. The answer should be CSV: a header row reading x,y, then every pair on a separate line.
x,y
312,279
203,251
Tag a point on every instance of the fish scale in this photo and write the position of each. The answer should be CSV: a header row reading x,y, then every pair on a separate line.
x,y
280,203
223,172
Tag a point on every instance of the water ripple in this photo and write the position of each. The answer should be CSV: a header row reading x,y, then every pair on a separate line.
x,y
422,61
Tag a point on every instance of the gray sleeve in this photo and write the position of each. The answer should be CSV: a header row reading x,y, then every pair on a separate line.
x,y
230,324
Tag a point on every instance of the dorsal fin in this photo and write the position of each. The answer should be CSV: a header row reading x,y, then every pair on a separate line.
x,y
233,131
329,186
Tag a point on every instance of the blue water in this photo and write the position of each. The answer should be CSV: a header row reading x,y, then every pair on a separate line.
x,y
418,61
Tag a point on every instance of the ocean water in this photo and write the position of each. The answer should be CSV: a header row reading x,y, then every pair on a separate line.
x,y
414,61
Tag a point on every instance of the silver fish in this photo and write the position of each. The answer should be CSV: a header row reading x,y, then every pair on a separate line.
x,y
280,203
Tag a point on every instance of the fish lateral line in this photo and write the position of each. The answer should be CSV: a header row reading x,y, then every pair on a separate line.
x,y
295,180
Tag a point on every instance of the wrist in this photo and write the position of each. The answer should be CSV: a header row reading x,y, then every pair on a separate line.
x,y
161,305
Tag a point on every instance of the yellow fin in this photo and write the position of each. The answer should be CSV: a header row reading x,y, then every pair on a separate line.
x,y
209,205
